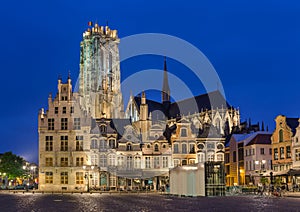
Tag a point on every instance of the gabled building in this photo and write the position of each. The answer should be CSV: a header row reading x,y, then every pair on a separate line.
x,y
282,144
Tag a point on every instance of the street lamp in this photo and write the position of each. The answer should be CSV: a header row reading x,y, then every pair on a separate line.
x,y
88,176
261,166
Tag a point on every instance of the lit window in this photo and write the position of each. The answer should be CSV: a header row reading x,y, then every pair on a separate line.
x,y
275,154
79,177
281,152
49,177
49,161
63,162
56,110
64,177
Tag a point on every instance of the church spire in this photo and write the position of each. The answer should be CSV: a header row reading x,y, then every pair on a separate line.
x,y
165,93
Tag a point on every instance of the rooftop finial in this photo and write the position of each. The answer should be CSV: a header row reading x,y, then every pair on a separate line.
x,y
69,75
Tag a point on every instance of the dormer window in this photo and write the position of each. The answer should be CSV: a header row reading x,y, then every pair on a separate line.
x,y
156,149
129,147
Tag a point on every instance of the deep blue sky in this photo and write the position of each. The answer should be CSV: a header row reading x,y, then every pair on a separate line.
x,y
253,45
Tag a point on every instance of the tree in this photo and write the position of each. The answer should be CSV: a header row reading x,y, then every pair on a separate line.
x,y
12,165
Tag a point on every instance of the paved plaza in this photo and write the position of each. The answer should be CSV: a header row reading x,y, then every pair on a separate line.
x,y
142,202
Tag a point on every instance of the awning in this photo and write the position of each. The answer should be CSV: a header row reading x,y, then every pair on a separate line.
x,y
293,172
281,173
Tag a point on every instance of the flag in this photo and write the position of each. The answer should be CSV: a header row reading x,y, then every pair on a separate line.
x,y
90,23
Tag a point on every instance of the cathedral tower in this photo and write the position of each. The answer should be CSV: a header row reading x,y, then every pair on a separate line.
x,y
100,73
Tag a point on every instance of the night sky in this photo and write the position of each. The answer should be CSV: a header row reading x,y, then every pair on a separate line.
x,y
253,45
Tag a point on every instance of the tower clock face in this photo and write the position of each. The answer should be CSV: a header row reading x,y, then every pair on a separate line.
x,y
200,146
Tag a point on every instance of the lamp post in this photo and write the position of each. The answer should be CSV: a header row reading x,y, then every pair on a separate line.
x,y
87,176
261,166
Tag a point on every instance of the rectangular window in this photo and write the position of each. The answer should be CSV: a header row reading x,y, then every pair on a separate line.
x,y
63,143
156,162
275,154
79,143
48,161
64,123
183,148
103,160
192,148
183,132
49,143
270,151
147,163
79,161
184,162
79,177
56,110
49,177
165,162
176,148
51,124
94,160
64,162
176,162
72,109
192,161
64,177
64,110
262,151
281,152
76,123
288,152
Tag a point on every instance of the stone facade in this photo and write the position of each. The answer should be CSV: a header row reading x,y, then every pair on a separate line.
x,y
87,141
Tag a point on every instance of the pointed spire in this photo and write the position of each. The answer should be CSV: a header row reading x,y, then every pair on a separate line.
x,y
69,75
165,88
262,126
267,128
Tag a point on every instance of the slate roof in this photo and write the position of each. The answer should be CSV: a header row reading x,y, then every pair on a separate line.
x,y
187,106
261,139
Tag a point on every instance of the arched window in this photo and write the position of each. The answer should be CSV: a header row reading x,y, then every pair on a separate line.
x,y
102,128
129,147
94,144
112,143
156,148
281,135
102,144
218,124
